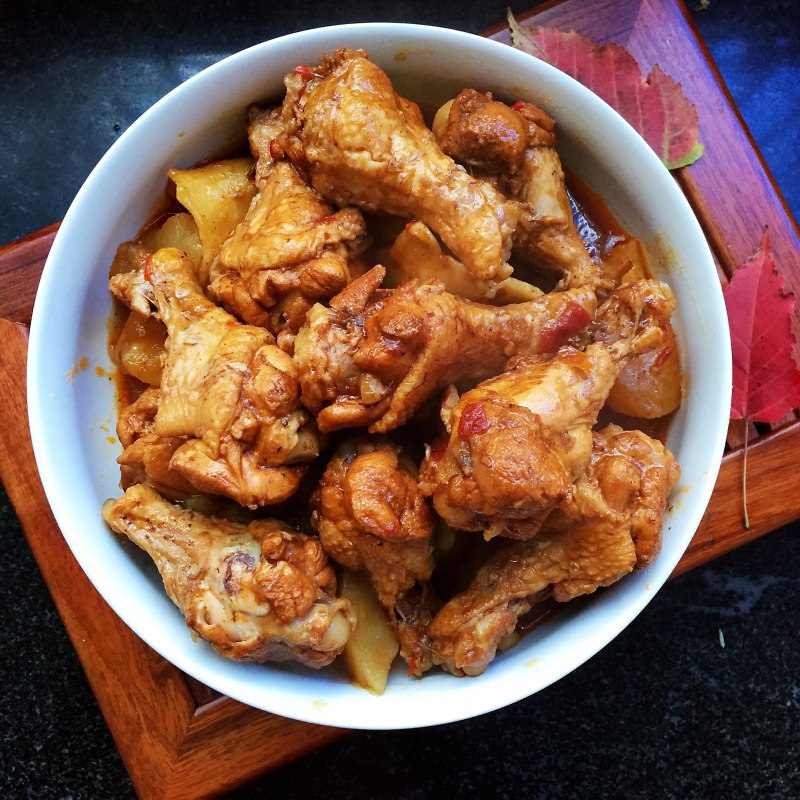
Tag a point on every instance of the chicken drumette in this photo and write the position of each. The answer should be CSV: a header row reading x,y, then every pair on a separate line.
x,y
372,518
375,356
230,391
609,525
364,145
514,147
256,593
518,441
291,250
146,456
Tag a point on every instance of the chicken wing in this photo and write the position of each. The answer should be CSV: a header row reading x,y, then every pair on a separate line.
x,y
372,518
363,145
146,456
518,441
132,290
255,592
592,540
374,357
292,248
515,148
228,389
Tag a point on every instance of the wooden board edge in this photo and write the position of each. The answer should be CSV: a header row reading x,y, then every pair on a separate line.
x,y
147,742
771,503
193,744
213,735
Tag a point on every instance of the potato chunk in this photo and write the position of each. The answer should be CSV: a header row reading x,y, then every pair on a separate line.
x,y
140,347
372,646
649,385
179,230
218,196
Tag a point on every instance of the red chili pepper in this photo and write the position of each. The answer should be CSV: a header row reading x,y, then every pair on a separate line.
x,y
473,422
412,666
326,220
275,150
572,319
304,72
662,357
410,223
519,105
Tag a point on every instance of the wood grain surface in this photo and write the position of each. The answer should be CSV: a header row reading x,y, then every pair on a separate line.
x,y
177,738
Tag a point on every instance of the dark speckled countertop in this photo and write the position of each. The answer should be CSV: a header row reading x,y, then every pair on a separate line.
x,y
663,711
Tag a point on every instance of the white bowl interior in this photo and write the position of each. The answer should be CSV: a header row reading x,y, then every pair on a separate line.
x,y
72,410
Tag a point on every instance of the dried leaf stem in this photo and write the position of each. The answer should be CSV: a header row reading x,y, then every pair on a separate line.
x,y
746,519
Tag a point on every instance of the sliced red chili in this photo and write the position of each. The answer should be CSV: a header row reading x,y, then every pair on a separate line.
x,y
662,357
304,72
557,332
275,150
473,422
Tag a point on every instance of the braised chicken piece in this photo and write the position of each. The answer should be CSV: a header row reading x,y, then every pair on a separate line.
x,y
146,456
132,290
514,147
255,592
228,389
517,442
372,518
604,529
375,356
291,250
362,144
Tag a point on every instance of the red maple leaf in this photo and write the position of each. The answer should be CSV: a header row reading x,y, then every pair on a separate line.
x,y
656,107
766,380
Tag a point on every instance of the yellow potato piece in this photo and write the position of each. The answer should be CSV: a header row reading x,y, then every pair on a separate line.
x,y
440,120
179,230
627,262
217,196
141,346
372,646
129,256
649,385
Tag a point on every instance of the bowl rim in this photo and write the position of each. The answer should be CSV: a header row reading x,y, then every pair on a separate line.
x,y
370,714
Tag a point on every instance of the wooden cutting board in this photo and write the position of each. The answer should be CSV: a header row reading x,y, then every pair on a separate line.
x,y
179,739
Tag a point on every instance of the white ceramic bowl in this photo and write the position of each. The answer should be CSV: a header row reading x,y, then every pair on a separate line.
x,y
72,411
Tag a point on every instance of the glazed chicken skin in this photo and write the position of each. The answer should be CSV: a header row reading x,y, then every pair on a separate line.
x,y
514,147
291,250
132,290
362,144
255,593
606,528
372,518
375,356
146,456
517,442
230,391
